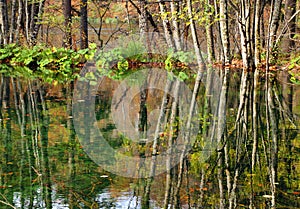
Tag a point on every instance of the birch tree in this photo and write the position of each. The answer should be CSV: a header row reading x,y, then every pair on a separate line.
x,y
4,22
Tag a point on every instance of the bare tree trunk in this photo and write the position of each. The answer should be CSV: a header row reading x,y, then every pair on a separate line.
x,y
27,19
209,33
244,26
19,19
149,16
13,21
83,24
4,22
290,9
175,23
274,24
143,18
37,10
166,24
201,68
67,7
224,31
257,36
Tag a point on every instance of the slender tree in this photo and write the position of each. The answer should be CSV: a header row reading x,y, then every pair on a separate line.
x,y
4,22
83,24
67,8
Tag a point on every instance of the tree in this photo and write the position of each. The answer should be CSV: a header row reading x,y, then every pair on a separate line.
x,y
4,22
83,24
67,8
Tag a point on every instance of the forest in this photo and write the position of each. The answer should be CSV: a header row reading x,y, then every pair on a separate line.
x,y
149,104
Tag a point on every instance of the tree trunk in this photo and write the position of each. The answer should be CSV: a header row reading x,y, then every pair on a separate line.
x,y
13,21
209,33
224,31
37,10
288,43
19,20
274,23
257,37
4,22
143,18
166,24
175,23
201,68
67,42
83,24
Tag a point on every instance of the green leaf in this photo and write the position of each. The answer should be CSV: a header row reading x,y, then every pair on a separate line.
x,y
182,76
123,65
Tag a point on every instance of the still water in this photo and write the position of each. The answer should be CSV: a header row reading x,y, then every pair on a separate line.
x,y
43,163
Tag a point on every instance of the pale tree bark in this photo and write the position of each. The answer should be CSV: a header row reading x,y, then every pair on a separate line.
x,y
149,16
4,32
175,23
166,24
209,33
257,37
273,27
244,22
244,27
27,18
273,128
220,133
171,137
37,10
201,69
290,9
143,18
19,20
258,8
255,126
224,31
170,44
13,21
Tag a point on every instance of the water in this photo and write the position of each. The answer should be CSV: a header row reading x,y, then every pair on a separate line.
x,y
43,163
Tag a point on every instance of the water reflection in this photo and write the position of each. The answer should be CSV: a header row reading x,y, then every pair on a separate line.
x,y
43,165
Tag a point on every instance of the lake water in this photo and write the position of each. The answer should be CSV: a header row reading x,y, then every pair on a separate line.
x,y
45,163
